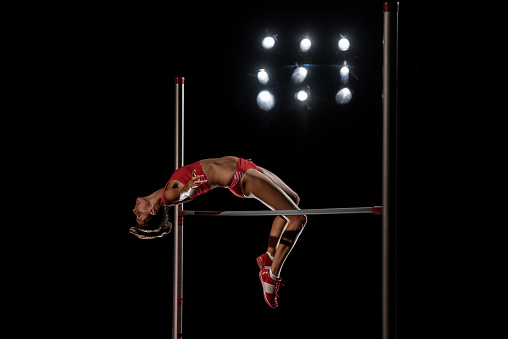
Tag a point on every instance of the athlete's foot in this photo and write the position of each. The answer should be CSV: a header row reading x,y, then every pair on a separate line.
x,y
264,261
270,287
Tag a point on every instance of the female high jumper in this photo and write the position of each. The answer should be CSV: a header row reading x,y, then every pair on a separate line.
x,y
245,180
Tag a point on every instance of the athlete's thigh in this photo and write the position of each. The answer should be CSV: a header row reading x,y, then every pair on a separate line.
x,y
278,181
258,185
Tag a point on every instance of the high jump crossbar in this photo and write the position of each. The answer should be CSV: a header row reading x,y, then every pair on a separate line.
x,y
316,211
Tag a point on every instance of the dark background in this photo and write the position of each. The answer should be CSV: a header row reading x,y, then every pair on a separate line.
x,y
122,62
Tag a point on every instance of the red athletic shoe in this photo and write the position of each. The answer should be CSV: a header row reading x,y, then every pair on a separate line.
x,y
270,287
264,261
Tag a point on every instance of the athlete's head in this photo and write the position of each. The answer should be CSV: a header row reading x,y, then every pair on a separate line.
x,y
152,220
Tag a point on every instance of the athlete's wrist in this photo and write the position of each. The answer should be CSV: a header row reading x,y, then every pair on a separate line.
x,y
186,192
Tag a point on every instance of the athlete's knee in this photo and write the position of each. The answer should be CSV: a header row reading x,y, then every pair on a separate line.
x,y
296,222
296,198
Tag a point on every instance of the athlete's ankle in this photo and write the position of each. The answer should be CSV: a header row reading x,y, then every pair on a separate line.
x,y
270,255
273,276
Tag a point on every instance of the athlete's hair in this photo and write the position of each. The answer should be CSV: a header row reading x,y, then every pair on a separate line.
x,y
154,226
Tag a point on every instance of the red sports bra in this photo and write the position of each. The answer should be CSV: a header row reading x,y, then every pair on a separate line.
x,y
183,175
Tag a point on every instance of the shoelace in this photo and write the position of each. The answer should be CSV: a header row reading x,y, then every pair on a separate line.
x,y
277,285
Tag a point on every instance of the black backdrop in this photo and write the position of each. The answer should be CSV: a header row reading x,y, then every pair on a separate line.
x,y
329,154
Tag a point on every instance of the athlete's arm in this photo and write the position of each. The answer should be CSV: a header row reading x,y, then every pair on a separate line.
x,y
180,193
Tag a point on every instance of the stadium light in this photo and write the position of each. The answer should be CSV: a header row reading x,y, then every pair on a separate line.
x,y
265,100
344,70
268,42
305,45
301,95
343,96
344,44
344,73
263,77
299,75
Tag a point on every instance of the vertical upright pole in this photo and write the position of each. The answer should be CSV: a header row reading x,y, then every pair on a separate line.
x,y
389,228
178,220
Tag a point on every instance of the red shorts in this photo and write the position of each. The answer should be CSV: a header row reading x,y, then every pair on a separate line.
x,y
241,167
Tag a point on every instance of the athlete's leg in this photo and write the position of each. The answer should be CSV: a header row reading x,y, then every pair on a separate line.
x,y
278,181
258,185
279,222
277,227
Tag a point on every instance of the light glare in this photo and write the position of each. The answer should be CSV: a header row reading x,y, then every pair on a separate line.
x,y
299,75
302,95
263,77
344,74
268,42
265,100
343,96
343,44
305,45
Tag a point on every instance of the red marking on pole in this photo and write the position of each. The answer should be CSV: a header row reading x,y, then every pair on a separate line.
x,y
179,80
180,300
377,210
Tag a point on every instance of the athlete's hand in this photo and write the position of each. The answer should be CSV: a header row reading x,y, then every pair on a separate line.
x,y
196,180
188,190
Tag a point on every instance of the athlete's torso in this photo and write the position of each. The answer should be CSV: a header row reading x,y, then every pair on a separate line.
x,y
218,172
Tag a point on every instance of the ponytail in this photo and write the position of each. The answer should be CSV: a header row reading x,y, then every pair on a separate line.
x,y
154,226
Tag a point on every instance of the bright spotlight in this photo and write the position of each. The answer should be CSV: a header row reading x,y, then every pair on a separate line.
x,y
263,77
299,75
343,96
343,44
265,100
302,95
305,45
344,71
268,42
344,74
